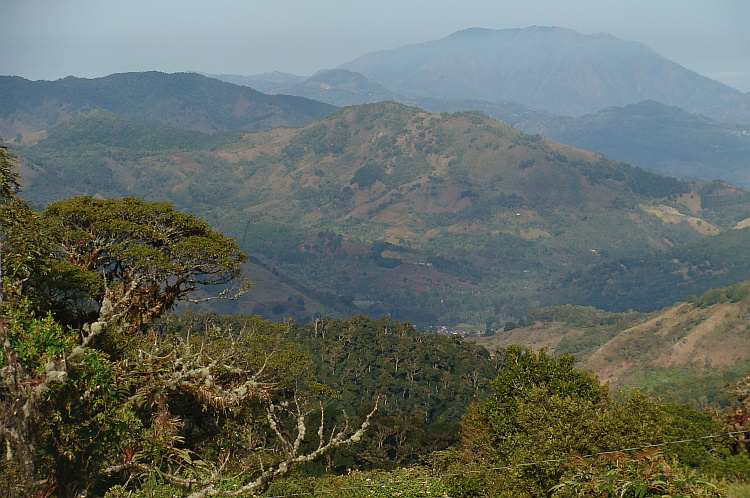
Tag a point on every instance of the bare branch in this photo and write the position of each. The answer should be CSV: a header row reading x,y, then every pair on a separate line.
x,y
212,486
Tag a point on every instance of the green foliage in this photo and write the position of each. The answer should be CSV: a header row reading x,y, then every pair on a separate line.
x,y
541,407
82,413
367,175
647,473
9,179
737,416
102,128
621,284
148,255
425,380
407,482
36,341
687,385
733,293
523,369
543,410
155,409
97,402
24,248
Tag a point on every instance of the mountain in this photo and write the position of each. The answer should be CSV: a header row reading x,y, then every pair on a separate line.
x,y
338,87
554,69
343,88
683,352
185,100
656,137
262,82
440,219
647,134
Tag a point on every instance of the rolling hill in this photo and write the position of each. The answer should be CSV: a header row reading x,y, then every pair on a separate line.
x,y
185,100
439,219
684,352
554,69
658,138
647,134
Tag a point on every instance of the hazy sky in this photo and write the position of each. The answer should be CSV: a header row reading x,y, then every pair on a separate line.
x,y
50,39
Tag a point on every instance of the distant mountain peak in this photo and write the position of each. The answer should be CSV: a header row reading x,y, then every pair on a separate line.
x,y
547,67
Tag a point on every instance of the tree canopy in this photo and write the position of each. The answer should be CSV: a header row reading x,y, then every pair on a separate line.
x,y
139,257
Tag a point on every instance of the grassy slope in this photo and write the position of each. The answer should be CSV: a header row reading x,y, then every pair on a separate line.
x,y
684,352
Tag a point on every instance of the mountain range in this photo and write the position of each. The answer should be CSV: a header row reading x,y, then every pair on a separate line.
x,y
647,134
185,100
388,209
656,137
503,221
549,68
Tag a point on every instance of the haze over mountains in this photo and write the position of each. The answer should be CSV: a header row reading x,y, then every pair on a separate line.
x,y
554,69
186,100
648,134
657,137
329,178
650,111
400,225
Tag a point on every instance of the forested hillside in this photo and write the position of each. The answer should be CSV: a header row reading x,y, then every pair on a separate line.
x,y
647,134
439,219
658,138
424,381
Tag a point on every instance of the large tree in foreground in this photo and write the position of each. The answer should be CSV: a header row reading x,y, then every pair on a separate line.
x,y
213,413
133,260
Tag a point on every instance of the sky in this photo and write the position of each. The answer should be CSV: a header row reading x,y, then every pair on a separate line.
x,y
51,39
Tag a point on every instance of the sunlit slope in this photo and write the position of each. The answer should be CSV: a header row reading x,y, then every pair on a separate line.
x,y
681,352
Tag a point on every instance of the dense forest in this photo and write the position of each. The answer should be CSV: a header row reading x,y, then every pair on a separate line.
x,y
104,393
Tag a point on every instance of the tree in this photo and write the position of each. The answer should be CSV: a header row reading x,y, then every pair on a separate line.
x,y
543,409
9,187
9,179
133,260
212,413
737,417
90,399
493,424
